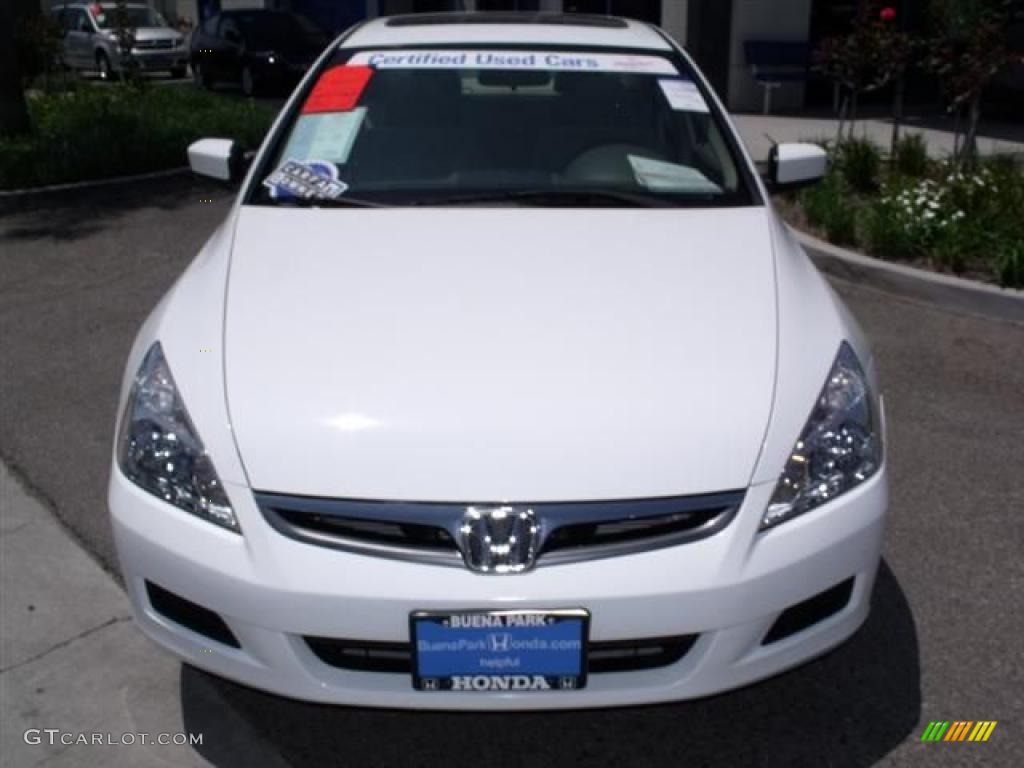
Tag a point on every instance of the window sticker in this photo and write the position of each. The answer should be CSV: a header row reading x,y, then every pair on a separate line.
x,y
325,136
670,177
683,95
315,179
567,61
337,90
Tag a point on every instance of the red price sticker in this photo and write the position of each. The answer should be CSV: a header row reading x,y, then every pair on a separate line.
x,y
337,90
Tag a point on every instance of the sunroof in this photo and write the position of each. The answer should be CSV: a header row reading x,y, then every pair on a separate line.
x,y
507,17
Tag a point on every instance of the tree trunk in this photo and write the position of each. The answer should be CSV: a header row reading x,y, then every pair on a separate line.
x,y
970,149
897,116
956,137
844,100
853,113
13,110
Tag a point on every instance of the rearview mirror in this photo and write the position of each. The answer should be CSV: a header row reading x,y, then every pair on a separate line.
x,y
513,78
796,165
219,159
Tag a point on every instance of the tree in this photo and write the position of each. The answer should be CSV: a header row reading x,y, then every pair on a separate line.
x,y
871,55
125,32
893,50
968,50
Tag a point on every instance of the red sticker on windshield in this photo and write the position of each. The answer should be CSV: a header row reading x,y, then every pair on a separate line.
x,y
337,90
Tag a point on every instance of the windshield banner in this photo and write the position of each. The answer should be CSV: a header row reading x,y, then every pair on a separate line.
x,y
517,60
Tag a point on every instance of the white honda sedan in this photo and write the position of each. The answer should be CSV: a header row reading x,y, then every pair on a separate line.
x,y
501,386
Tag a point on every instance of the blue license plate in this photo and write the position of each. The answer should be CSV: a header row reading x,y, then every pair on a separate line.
x,y
493,651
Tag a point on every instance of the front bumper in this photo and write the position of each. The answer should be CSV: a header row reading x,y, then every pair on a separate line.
x,y
156,60
271,591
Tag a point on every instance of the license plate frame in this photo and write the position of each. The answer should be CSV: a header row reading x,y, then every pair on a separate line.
x,y
525,668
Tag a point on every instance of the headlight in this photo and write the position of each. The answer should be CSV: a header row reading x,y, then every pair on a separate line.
x,y
160,451
839,448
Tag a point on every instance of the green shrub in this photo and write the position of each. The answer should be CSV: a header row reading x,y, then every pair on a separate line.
x,y
959,221
960,245
830,205
859,161
911,156
1008,263
884,232
93,133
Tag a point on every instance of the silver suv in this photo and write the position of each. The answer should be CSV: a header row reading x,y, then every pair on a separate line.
x,y
90,39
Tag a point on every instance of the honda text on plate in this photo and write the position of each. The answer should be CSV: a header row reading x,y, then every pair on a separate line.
x,y
501,386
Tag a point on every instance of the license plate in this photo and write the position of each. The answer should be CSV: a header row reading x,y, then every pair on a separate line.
x,y
494,651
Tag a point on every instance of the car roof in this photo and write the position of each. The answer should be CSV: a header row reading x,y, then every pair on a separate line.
x,y
507,28
61,6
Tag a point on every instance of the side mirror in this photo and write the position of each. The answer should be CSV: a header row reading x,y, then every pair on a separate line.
x,y
219,159
791,166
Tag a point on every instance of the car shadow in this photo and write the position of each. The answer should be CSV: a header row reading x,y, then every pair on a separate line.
x,y
848,708
72,214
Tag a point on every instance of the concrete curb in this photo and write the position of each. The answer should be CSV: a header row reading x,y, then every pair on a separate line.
x,y
989,301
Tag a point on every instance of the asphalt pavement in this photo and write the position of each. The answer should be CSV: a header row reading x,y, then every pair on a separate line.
x,y
79,272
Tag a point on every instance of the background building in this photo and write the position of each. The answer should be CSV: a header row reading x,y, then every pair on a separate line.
x,y
713,30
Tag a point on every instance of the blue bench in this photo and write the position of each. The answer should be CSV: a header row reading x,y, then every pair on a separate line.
x,y
773,63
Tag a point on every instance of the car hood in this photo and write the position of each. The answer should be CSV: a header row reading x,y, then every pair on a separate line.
x,y
500,354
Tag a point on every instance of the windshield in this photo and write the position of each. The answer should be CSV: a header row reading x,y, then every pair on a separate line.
x,y
266,30
135,16
521,127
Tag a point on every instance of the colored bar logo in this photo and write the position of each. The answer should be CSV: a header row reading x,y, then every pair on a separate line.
x,y
958,730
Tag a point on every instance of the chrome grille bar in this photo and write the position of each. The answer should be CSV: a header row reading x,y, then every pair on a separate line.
x,y
427,532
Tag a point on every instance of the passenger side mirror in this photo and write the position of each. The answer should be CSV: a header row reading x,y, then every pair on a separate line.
x,y
219,159
791,166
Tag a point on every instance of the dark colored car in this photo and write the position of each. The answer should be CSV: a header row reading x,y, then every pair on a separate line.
x,y
263,51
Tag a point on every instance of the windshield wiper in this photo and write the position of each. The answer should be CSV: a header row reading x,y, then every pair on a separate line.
x,y
566,197
324,202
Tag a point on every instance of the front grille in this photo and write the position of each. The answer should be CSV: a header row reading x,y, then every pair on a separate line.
x,y
149,45
613,656
429,532
620,531
375,531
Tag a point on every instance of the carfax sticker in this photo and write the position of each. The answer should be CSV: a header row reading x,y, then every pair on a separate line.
x,y
309,180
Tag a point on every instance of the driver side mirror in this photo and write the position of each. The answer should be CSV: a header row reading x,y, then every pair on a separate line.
x,y
219,159
795,165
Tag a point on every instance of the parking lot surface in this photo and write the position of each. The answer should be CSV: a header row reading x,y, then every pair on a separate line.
x,y
79,272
